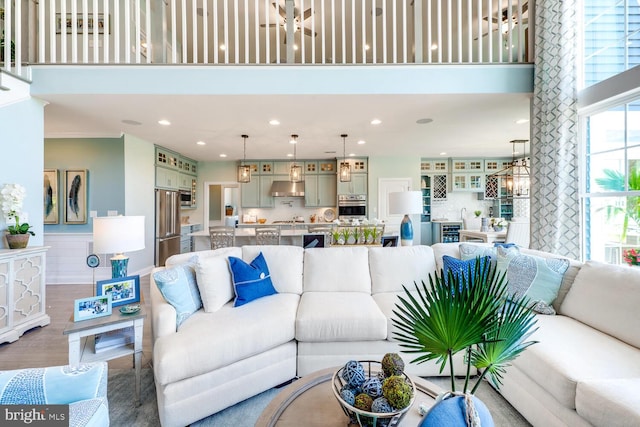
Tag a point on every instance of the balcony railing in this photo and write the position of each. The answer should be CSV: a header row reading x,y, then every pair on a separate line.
x,y
265,32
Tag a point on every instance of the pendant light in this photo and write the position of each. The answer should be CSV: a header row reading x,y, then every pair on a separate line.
x,y
244,171
516,175
295,173
345,167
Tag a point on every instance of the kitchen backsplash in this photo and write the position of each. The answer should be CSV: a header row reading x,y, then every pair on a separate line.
x,y
451,209
285,209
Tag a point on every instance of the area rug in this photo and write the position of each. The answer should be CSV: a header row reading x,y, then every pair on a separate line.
x,y
124,412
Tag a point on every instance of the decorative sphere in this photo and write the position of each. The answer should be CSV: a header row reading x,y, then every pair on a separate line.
x,y
381,405
353,373
373,387
348,396
397,391
364,402
392,364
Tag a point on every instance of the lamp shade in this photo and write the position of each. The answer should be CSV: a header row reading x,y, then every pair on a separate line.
x,y
118,234
405,203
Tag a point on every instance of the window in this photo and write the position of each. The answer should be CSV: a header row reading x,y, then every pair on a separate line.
x,y
612,182
611,38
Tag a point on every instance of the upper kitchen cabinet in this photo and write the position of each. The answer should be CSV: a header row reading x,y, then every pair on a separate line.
x,y
167,178
174,171
431,166
166,158
359,177
467,165
438,178
319,190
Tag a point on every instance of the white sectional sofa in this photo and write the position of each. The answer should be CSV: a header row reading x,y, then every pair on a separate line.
x,y
335,304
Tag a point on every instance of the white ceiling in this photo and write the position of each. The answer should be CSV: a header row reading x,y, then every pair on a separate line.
x,y
463,125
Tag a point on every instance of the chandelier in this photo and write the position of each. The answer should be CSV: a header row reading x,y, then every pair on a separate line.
x,y
295,173
515,177
345,167
244,171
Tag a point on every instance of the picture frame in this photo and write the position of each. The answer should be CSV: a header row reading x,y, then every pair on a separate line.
x,y
75,196
389,241
123,290
80,23
50,196
92,307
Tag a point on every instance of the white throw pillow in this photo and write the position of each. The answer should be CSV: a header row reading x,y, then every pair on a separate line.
x,y
214,280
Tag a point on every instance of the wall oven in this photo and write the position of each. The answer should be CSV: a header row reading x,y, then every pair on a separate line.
x,y
352,206
186,199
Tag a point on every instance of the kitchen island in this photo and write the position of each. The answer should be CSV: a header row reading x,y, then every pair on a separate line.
x,y
290,234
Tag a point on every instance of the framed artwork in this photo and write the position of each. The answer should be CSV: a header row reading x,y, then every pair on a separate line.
x,y
121,290
50,196
389,241
90,308
75,190
80,23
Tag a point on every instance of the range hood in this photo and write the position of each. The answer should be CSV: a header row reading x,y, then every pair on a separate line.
x,y
287,189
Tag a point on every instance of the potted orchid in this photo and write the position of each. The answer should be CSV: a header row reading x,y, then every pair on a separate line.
x,y
13,196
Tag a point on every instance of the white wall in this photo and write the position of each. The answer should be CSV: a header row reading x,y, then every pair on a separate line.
x,y
139,183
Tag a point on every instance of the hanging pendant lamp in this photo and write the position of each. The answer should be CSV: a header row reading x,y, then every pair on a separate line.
x,y
244,171
516,175
345,167
295,173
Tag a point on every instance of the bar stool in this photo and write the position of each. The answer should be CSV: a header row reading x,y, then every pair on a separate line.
x,y
222,237
267,235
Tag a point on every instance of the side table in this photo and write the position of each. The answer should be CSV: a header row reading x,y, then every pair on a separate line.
x,y
82,345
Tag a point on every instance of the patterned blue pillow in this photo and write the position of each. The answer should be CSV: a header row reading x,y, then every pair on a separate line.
x,y
250,281
179,288
536,277
459,267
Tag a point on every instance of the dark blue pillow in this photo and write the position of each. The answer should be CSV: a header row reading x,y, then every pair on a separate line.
x,y
250,281
458,267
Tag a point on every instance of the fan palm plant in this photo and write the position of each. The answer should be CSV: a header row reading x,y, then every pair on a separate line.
x,y
615,181
471,313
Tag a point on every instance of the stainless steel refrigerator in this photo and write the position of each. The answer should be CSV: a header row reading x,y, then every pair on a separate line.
x,y
167,225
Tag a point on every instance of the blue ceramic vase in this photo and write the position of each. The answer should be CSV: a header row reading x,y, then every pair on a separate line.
x,y
451,412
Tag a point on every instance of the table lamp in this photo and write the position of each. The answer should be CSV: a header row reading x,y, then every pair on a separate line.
x,y
118,234
405,203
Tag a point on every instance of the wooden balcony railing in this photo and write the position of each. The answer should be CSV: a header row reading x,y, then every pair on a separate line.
x,y
265,32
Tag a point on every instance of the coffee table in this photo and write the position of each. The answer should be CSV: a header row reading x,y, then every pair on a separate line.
x,y
310,401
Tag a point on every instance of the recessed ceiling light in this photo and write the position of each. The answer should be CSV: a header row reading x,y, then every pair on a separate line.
x,y
522,121
131,122
362,141
164,122
424,121
274,122
289,155
352,154
443,154
223,155
201,143
376,121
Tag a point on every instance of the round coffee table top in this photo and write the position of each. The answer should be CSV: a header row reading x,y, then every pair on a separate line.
x,y
310,401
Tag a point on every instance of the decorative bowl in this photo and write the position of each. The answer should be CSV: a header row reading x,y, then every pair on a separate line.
x,y
262,220
130,309
363,418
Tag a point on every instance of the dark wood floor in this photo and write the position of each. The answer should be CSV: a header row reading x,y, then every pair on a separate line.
x,y
47,346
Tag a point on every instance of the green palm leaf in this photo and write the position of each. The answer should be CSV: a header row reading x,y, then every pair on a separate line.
x,y
615,181
445,317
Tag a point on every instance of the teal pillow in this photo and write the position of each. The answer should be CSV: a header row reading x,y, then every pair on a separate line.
x,y
179,288
535,277
250,281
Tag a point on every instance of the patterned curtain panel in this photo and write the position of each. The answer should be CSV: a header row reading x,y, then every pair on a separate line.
x,y
554,131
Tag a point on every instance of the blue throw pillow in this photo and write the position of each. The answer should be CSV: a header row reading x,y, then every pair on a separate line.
x,y
505,245
250,281
459,267
179,288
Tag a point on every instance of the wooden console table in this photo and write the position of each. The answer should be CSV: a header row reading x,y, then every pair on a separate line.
x,y
22,291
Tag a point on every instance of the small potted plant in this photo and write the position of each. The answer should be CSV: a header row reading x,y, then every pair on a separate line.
x,y
499,225
477,213
12,199
471,313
